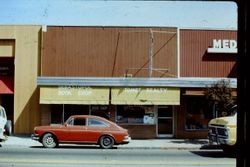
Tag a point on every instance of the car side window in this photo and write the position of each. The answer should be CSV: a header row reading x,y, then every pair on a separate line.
x,y
95,122
77,122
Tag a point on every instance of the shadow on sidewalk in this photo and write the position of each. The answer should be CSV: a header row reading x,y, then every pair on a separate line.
x,y
203,142
191,141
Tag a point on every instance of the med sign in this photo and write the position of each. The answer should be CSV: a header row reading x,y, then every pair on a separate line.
x,y
223,46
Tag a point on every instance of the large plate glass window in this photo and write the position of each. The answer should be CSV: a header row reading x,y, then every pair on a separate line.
x,y
135,114
198,113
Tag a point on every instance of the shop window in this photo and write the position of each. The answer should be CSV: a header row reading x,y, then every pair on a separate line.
x,y
198,113
75,110
60,113
100,110
56,114
7,66
135,115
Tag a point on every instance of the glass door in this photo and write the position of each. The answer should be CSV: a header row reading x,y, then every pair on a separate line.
x,y
165,121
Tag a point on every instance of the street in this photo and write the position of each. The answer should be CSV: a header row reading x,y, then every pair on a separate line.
x,y
68,155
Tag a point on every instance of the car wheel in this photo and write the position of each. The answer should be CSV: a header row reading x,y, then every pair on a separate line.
x,y
106,142
8,128
49,141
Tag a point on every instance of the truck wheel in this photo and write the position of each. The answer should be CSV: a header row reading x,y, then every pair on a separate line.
x,y
8,128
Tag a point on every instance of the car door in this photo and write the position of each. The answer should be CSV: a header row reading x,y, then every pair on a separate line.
x,y
95,128
76,129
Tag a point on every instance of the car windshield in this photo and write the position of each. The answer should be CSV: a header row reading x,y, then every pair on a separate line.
x,y
2,113
233,110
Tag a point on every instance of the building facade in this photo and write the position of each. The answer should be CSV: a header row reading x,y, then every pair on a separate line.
x,y
144,78
19,67
203,53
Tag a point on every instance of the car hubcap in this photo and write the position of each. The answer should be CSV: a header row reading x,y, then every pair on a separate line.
x,y
50,141
106,141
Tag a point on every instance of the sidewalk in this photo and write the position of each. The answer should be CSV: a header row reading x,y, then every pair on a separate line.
x,y
177,144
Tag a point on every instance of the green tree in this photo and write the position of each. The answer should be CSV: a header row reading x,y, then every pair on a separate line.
x,y
220,95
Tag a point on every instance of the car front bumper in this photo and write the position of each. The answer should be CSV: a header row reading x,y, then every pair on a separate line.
x,y
2,136
35,137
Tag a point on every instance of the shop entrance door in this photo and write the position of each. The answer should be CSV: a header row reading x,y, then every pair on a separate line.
x,y
165,121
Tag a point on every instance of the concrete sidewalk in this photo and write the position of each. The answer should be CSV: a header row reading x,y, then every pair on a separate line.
x,y
177,144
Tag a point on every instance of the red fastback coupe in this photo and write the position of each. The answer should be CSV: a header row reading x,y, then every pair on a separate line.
x,y
82,129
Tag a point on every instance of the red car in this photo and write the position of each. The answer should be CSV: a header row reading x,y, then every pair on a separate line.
x,y
82,129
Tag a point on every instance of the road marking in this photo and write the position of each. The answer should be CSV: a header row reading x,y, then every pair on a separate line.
x,y
114,162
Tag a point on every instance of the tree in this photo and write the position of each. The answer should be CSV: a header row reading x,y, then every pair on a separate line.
x,y
220,95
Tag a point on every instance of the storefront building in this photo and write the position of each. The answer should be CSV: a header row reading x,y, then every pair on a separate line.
x,y
110,55
204,54
139,78
19,61
149,80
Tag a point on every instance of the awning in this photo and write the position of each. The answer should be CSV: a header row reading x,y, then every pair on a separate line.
x,y
74,95
201,92
6,85
145,96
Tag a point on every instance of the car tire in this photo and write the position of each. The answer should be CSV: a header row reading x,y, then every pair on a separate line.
x,y
106,142
8,128
49,141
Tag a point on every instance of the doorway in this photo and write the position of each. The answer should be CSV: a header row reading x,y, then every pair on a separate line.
x,y
165,121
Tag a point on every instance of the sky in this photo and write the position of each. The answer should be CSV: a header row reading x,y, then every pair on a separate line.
x,y
182,14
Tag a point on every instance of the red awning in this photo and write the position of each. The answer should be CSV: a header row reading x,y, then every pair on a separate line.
x,y
6,85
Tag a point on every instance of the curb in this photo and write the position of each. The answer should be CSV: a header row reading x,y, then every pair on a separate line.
x,y
171,144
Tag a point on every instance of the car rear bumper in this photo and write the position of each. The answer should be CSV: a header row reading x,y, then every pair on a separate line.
x,y
126,140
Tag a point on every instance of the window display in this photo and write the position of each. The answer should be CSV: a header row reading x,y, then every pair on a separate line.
x,y
100,110
198,113
61,113
135,114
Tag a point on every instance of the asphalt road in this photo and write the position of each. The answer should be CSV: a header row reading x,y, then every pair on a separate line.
x,y
93,156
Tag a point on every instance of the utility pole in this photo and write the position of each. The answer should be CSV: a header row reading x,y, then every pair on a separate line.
x,y
151,51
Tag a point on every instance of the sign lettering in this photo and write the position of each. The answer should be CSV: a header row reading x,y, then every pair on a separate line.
x,y
223,46
74,90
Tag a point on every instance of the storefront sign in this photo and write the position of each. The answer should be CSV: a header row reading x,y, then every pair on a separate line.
x,y
145,96
223,46
74,95
74,91
149,90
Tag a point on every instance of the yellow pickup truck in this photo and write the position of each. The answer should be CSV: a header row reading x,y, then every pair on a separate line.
x,y
223,131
